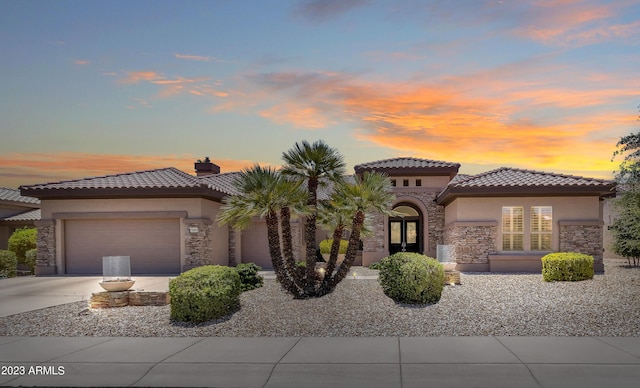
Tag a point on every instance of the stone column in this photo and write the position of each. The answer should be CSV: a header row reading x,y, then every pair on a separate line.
x,y
46,247
471,242
583,237
197,242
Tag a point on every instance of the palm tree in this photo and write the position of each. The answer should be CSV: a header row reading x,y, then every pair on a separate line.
x,y
312,163
370,193
263,192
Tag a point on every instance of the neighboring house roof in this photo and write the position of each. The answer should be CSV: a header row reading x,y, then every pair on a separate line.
x,y
517,182
409,166
32,215
12,195
149,183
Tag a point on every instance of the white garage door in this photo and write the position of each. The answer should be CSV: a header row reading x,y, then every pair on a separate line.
x,y
152,244
255,245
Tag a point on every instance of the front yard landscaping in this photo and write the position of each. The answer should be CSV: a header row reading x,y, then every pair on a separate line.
x,y
485,304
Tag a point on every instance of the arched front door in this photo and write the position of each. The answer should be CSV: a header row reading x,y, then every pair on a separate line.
x,y
405,233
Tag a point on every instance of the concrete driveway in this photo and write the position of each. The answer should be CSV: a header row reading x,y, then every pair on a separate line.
x,y
27,293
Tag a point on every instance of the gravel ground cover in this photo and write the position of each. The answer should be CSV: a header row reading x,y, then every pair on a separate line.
x,y
485,304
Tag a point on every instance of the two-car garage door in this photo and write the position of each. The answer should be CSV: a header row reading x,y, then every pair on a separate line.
x,y
152,244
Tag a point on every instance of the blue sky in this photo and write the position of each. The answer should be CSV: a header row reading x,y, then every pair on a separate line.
x,y
94,88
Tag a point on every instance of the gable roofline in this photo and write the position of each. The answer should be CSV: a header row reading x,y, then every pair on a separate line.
x,y
513,182
14,197
156,183
404,166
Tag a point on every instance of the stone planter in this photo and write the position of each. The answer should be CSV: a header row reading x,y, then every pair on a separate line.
x,y
449,266
116,285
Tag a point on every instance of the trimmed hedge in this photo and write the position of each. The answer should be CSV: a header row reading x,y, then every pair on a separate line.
x,y
8,264
567,266
21,241
30,259
376,265
249,276
325,246
412,278
205,293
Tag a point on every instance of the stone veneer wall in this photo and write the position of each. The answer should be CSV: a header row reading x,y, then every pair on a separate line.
x,y
232,247
471,242
46,247
197,245
585,238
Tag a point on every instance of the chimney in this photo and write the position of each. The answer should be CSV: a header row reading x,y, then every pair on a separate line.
x,y
205,167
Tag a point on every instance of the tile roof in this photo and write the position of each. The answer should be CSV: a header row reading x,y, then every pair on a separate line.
x,y
513,181
223,183
406,162
159,178
32,215
512,177
14,196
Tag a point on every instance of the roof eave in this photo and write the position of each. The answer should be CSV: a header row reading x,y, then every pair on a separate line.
x,y
122,193
449,194
405,171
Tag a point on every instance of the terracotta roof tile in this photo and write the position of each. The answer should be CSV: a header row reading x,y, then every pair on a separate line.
x,y
159,178
223,183
406,162
14,196
512,181
32,215
512,177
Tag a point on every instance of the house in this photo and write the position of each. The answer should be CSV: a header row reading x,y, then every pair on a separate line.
x,y
165,219
16,211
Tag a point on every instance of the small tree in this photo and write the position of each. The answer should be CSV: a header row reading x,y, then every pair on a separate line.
x,y
21,241
626,226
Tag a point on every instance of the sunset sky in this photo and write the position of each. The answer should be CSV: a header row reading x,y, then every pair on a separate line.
x,y
98,87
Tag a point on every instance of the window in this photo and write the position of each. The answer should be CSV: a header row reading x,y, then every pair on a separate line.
x,y
541,228
405,182
512,228
393,182
418,182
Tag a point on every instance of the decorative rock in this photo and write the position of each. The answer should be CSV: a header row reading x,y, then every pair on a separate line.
x,y
105,299
101,300
149,298
452,277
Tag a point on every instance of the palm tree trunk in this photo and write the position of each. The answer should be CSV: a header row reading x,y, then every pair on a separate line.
x,y
310,234
276,255
291,269
352,250
333,258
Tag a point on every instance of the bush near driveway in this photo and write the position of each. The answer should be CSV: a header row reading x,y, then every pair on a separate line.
x,y
411,278
205,293
21,241
8,264
249,276
567,266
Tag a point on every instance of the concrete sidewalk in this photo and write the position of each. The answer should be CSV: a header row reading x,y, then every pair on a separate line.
x,y
322,362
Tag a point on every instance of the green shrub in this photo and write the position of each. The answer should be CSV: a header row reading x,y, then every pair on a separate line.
x,y
30,259
411,278
567,266
249,276
375,265
8,264
325,247
21,241
205,293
